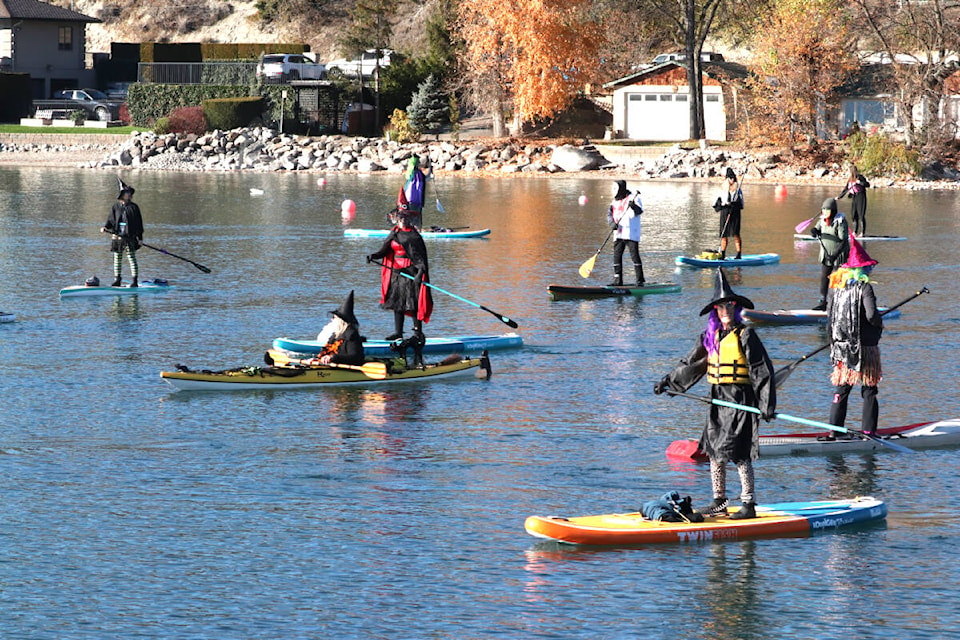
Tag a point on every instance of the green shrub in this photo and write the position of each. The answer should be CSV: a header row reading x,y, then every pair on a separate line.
x,y
401,130
147,101
161,126
877,155
232,113
79,116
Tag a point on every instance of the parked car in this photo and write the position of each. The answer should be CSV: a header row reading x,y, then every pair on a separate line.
x,y
362,66
95,103
680,56
283,67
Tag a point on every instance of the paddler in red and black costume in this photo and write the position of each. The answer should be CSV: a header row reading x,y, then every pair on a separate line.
x,y
739,371
404,252
344,344
855,329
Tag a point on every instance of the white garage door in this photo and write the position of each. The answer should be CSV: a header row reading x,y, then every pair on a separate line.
x,y
658,116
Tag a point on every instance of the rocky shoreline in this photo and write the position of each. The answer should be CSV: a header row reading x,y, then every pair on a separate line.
x,y
266,150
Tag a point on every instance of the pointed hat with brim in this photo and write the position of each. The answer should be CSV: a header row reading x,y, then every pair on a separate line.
x,y
345,312
723,293
858,256
124,187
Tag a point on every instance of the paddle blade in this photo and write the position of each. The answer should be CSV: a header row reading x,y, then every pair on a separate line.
x,y
440,207
375,370
201,267
889,443
803,225
587,267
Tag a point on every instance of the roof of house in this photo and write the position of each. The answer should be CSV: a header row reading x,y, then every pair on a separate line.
x,y
36,10
869,80
721,70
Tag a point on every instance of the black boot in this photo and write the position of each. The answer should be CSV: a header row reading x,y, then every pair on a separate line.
x,y
133,282
617,279
117,282
738,255
821,306
747,511
717,507
638,269
397,327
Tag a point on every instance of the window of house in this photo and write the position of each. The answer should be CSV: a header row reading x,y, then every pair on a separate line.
x,y
634,97
666,97
65,41
711,97
650,97
681,97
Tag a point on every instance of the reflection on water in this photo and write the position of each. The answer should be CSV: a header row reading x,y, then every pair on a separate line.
x,y
404,505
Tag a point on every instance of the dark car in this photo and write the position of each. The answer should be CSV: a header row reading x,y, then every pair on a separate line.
x,y
96,103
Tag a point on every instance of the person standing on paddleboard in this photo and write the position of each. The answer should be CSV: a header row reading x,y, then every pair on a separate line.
x,y
856,188
832,231
412,194
739,370
126,225
624,219
341,337
730,203
404,251
855,329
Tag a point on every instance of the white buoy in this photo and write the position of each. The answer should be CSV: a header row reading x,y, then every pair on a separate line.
x,y
321,182
582,199
256,192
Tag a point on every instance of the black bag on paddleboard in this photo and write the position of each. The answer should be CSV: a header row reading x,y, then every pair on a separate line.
x,y
670,507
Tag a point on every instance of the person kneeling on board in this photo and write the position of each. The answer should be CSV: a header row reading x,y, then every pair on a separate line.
x,y
344,344
739,371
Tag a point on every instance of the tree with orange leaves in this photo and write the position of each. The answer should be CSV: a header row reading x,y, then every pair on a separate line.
x,y
532,54
802,53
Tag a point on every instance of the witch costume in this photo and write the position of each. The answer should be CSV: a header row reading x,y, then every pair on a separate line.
x,y
739,371
126,225
855,329
345,346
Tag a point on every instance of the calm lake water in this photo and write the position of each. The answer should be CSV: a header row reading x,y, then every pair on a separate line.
x,y
133,511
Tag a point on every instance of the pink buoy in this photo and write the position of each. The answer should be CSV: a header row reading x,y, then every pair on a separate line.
x,y
780,192
582,199
321,182
348,208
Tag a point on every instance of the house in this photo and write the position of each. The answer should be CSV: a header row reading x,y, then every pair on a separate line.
x,y
47,42
653,104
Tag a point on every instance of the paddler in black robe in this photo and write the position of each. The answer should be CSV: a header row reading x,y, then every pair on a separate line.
x,y
344,344
404,252
739,371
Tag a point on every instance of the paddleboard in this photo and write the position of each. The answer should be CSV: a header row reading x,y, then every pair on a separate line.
x,y
559,292
376,348
805,237
923,435
146,286
799,316
748,260
441,233
7,317
784,519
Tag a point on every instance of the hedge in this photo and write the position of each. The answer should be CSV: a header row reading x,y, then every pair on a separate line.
x,y
232,113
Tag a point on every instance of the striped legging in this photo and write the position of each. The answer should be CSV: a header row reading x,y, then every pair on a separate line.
x,y
118,261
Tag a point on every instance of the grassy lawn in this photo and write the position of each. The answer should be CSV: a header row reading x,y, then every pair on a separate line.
x,y
16,128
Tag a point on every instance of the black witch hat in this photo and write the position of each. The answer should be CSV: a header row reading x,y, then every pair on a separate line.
x,y
723,293
124,187
345,312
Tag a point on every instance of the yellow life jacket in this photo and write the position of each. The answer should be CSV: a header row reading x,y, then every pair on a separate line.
x,y
729,364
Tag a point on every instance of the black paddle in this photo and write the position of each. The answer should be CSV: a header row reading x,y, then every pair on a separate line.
x,y
782,374
504,319
790,418
173,255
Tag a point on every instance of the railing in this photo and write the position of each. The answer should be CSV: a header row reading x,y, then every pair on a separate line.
x,y
223,73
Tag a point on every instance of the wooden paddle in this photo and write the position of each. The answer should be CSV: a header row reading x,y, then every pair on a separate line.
x,y
790,418
374,370
782,374
502,318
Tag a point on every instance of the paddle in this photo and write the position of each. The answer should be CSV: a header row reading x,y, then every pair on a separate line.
x,y
806,223
504,319
782,374
173,255
440,208
375,370
437,229
790,418
587,267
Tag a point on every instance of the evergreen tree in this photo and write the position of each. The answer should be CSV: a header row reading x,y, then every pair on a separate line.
x,y
429,109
